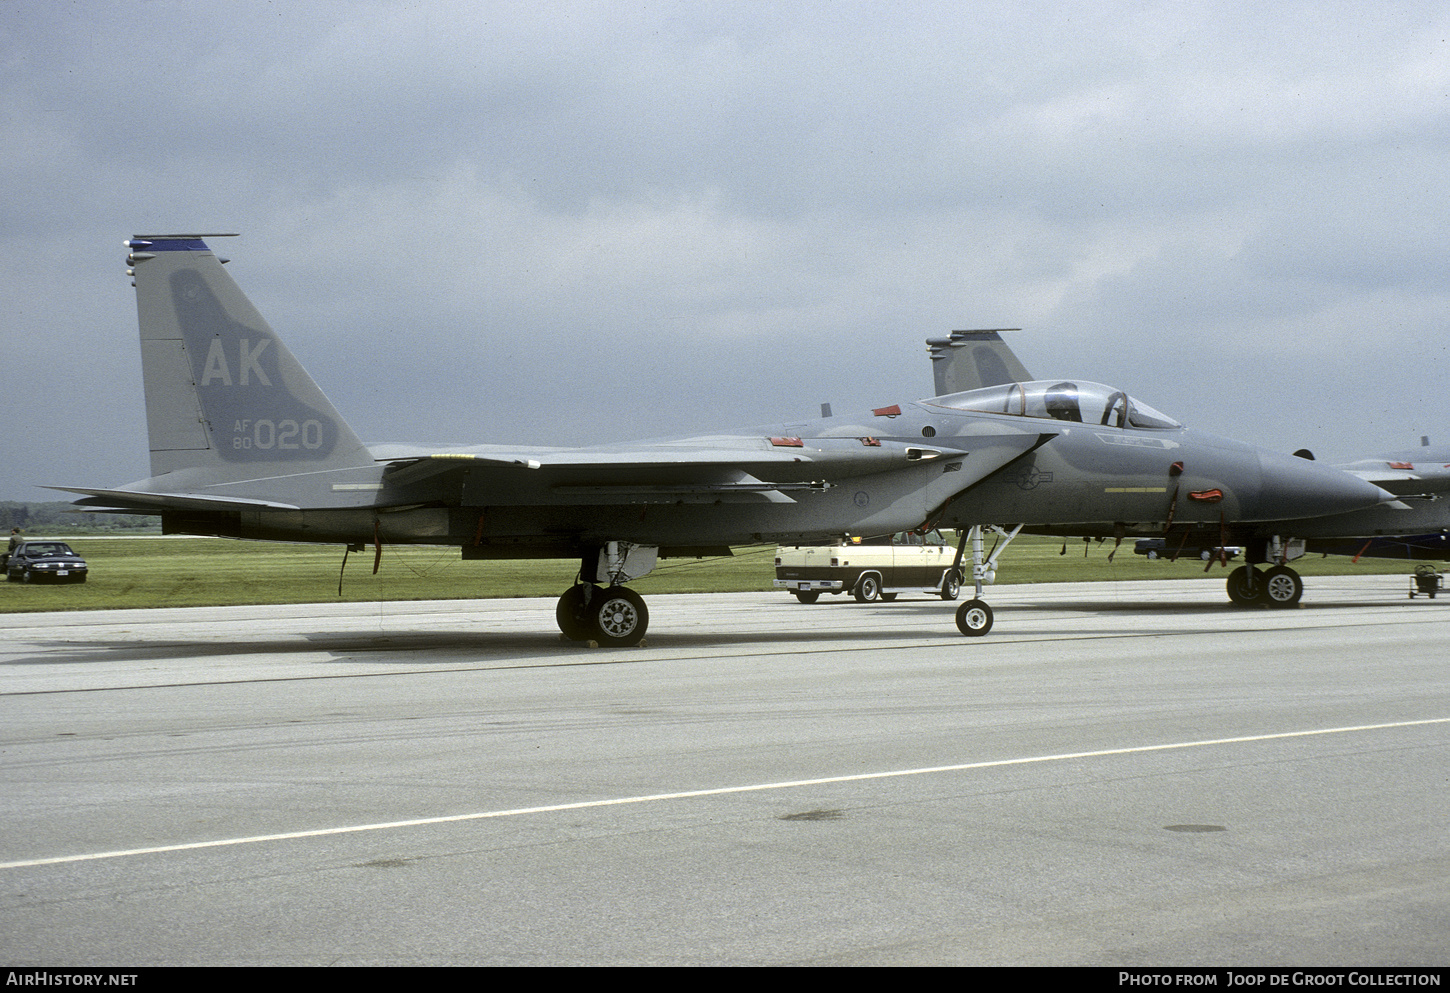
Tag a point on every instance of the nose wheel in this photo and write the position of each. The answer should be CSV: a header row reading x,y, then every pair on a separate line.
x,y
974,618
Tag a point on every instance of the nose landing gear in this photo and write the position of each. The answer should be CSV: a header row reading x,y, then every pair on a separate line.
x,y
974,618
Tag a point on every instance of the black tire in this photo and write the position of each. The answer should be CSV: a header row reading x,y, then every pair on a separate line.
x,y
572,613
1281,587
1239,593
951,586
868,588
807,596
974,618
888,597
620,617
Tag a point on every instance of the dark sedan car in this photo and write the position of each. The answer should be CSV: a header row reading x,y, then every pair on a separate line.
x,y
48,561
1157,548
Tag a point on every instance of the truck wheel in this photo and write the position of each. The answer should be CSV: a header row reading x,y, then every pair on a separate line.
x,y
868,588
807,596
951,586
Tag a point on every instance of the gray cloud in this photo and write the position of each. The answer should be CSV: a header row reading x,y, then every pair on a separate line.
x,y
598,220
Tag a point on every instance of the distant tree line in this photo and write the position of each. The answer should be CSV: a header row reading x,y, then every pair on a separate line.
x,y
59,518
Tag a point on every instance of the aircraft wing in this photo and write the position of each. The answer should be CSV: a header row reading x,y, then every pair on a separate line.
x,y
714,470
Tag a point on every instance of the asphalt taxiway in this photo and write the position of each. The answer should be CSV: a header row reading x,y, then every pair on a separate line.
x,y
1119,774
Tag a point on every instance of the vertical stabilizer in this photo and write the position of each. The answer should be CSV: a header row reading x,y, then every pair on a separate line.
x,y
223,393
970,360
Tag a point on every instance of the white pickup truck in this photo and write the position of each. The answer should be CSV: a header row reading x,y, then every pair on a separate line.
x,y
870,568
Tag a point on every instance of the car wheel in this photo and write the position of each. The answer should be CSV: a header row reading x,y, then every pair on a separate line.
x,y
807,596
868,588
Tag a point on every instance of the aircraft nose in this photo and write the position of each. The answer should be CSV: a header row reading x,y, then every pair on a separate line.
x,y
1292,487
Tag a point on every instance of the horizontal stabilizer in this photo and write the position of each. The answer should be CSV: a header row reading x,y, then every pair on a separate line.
x,y
141,502
1404,482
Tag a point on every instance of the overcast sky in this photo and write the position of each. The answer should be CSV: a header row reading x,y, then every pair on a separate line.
x,y
567,223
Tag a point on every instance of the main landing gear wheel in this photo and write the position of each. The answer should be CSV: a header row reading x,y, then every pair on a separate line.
x,y
613,616
1281,587
1240,592
572,613
974,618
620,617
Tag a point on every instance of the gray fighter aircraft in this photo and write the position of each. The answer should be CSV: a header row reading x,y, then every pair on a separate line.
x,y
244,444
1413,526
1417,527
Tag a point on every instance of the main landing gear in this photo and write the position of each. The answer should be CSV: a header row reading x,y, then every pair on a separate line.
x,y
602,610
612,616
1279,586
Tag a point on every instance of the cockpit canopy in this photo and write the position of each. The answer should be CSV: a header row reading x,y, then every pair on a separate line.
x,y
1080,403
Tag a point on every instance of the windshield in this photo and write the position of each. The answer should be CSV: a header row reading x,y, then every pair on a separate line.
x,y
1081,403
47,548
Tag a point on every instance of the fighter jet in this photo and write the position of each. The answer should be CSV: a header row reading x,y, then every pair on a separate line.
x,y
1414,525
244,444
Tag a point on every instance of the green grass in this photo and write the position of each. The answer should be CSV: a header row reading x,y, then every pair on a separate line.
x,y
190,572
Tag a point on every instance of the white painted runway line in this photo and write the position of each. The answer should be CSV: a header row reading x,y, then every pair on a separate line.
x,y
718,791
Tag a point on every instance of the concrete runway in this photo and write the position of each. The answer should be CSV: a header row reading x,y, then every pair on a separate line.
x,y
1119,774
